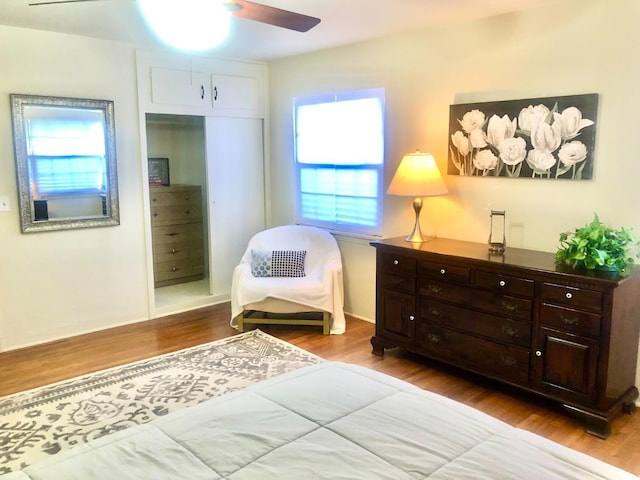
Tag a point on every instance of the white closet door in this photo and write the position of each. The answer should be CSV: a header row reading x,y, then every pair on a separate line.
x,y
235,184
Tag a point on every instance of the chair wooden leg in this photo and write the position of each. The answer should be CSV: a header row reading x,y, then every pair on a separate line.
x,y
326,317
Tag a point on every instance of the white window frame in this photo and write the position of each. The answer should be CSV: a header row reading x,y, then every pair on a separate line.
x,y
370,164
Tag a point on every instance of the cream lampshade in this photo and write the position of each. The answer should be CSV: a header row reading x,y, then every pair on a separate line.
x,y
417,176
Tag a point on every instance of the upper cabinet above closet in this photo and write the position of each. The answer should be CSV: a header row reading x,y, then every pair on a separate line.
x,y
236,94
201,86
180,87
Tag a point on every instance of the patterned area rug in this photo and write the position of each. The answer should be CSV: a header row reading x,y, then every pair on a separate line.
x,y
47,420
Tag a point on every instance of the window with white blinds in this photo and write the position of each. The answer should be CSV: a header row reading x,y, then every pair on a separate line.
x,y
339,149
67,156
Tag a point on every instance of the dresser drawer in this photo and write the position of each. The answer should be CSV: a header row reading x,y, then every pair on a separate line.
x,y
444,271
179,233
397,282
164,271
569,320
505,283
493,327
160,197
513,307
396,265
571,296
477,354
178,251
177,213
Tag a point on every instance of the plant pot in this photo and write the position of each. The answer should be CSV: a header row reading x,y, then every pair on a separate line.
x,y
606,272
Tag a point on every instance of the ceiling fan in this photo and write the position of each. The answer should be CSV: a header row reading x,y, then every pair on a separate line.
x,y
244,9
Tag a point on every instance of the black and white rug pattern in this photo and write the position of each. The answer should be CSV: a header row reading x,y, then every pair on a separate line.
x,y
44,421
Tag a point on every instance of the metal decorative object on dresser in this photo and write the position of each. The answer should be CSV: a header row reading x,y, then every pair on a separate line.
x,y
517,318
178,242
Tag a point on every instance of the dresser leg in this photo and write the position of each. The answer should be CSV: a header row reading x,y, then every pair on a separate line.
x,y
378,347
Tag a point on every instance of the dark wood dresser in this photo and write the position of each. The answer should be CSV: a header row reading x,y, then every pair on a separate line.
x,y
517,318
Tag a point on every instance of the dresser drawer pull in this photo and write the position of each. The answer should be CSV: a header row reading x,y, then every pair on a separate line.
x,y
435,289
412,318
442,271
188,212
574,322
509,307
508,361
434,338
436,312
396,262
154,199
502,283
175,269
174,251
172,234
509,331
569,295
538,353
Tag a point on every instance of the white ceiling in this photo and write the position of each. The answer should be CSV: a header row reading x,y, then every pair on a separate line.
x,y
343,22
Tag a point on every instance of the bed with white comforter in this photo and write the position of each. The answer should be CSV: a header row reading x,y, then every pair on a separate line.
x,y
328,421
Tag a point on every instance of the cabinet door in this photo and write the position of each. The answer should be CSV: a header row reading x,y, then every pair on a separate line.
x,y
395,319
235,193
236,95
179,87
566,365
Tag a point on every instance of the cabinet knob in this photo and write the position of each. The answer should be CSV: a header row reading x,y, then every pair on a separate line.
x,y
538,353
443,271
502,283
396,262
412,318
569,295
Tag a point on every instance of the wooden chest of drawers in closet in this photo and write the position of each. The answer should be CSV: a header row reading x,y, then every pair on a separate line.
x,y
177,230
518,318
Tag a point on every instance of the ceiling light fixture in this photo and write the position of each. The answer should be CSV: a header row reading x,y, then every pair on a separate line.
x,y
187,24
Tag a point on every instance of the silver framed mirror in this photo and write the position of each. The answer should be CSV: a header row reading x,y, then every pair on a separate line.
x,y
66,163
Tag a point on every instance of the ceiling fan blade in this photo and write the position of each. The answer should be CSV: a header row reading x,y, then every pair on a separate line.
x,y
273,16
52,2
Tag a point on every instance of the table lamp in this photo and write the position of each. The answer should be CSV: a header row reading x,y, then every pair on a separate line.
x,y
417,176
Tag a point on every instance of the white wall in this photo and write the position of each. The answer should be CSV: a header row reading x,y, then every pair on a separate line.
x,y
58,284
576,47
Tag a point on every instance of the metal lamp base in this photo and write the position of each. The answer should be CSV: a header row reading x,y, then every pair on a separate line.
x,y
416,235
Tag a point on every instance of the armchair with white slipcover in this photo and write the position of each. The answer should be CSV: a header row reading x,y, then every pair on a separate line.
x,y
285,270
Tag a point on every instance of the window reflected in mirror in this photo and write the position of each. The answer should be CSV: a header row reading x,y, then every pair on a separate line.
x,y
66,163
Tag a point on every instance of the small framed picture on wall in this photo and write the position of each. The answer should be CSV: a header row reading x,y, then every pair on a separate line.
x,y
159,172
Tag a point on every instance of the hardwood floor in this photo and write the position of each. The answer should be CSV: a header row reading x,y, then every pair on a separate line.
x,y
48,363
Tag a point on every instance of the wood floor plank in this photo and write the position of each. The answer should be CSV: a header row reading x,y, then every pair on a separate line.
x,y
44,364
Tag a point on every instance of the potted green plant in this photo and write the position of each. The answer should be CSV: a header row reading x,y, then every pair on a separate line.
x,y
597,246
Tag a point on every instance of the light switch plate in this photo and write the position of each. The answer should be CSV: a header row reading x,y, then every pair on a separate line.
x,y
4,203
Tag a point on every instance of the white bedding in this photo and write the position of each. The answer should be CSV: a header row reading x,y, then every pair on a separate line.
x,y
328,421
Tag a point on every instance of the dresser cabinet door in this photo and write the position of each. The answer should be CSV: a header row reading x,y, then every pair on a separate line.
x,y
396,316
566,365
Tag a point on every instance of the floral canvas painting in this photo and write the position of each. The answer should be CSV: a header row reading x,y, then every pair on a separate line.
x,y
549,138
